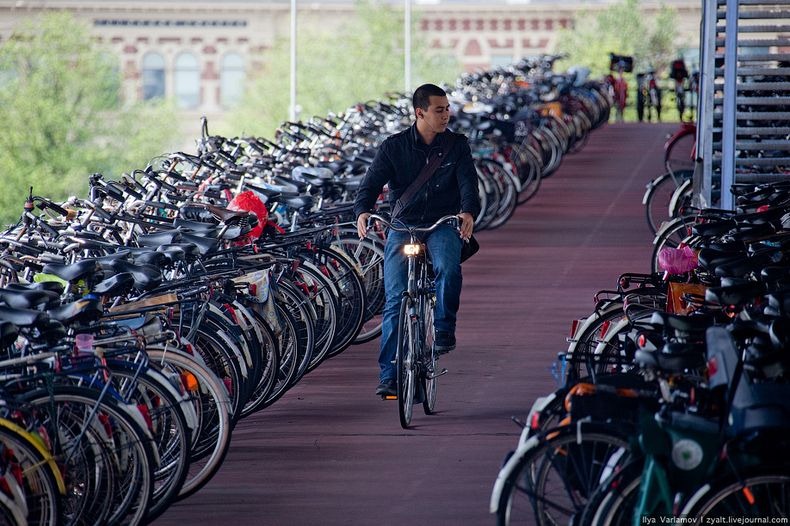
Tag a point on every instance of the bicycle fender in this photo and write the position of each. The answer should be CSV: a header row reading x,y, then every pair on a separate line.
x,y
507,469
537,407
651,185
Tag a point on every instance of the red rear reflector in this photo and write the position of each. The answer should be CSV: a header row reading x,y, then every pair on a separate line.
x,y
641,341
749,495
146,416
763,208
534,422
574,326
713,366
605,327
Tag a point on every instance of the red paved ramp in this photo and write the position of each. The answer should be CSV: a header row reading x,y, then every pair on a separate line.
x,y
331,453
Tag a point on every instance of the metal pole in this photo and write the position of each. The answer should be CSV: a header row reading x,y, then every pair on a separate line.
x,y
728,121
292,107
407,47
705,104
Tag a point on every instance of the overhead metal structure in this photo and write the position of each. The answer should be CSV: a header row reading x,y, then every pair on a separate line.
x,y
744,109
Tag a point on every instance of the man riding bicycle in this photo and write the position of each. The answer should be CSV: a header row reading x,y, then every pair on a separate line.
x,y
451,189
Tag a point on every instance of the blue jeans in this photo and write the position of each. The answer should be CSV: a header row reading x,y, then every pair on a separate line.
x,y
444,247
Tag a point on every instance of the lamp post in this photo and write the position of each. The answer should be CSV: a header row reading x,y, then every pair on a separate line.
x,y
292,106
407,46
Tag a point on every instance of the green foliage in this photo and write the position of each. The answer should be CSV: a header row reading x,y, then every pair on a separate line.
x,y
624,29
362,60
62,117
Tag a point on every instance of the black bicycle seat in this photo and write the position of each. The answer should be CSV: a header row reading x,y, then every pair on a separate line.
x,y
80,310
74,272
27,299
22,317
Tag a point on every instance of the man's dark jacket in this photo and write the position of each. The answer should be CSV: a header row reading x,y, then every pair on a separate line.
x,y
398,162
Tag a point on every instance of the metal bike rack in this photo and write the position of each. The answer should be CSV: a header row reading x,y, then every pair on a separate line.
x,y
744,105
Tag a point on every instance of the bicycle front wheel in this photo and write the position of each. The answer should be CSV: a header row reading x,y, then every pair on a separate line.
x,y
431,381
405,363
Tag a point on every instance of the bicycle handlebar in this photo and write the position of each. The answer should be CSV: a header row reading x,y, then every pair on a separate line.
x,y
412,230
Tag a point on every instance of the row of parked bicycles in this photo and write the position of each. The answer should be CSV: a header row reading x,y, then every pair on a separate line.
x,y
674,399
138,324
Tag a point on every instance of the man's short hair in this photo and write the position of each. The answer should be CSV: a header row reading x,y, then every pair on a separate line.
x,y
422,95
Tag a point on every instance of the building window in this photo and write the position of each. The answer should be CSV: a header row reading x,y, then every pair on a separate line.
x,y
501,60
231,80
153,76
186,81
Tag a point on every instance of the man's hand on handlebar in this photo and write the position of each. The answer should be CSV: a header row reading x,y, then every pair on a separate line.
x,y
467,225
362,224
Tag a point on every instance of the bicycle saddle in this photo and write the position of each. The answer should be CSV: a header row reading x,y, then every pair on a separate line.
x,y
185,251
80,310
74,272
298,203
735,294
225,215
713,229
115,285
196,227
22,317
150,257
746,265
144,276
204,245
698,323
159,238
106,261
673,357
52,286
27,299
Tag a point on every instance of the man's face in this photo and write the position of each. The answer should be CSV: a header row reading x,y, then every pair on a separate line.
x,y
437,115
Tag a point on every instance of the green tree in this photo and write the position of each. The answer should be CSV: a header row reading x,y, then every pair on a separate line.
x,y
62,116
362,60
622,28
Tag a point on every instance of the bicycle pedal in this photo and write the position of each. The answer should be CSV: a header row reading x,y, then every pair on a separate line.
x,y
437,375
389,397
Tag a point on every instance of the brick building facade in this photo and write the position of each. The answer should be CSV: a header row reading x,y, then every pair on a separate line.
x,y
199,52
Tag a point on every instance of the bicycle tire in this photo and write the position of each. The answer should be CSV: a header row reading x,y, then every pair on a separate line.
x,y
133,490
42,494
577,455
430,382
405,363
728,497
211,441
170,433
369,259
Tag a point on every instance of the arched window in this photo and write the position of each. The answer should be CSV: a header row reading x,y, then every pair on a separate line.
x,y
187,81
231,80
153,76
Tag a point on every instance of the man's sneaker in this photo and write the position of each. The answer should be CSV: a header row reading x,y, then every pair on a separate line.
x,y
444,342
387,388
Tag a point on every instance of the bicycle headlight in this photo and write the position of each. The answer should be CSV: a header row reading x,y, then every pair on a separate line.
x,y
411,249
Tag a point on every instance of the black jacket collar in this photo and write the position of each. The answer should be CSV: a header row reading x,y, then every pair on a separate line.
x,y
416,141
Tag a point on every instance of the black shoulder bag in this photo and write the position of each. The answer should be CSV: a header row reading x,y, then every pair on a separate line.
x,y
470,247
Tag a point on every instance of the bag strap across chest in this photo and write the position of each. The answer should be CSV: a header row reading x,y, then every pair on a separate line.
x,y
432,164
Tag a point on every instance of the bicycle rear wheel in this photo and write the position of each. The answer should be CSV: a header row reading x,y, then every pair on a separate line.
x,y
405,363
679,153
552,482
763,493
